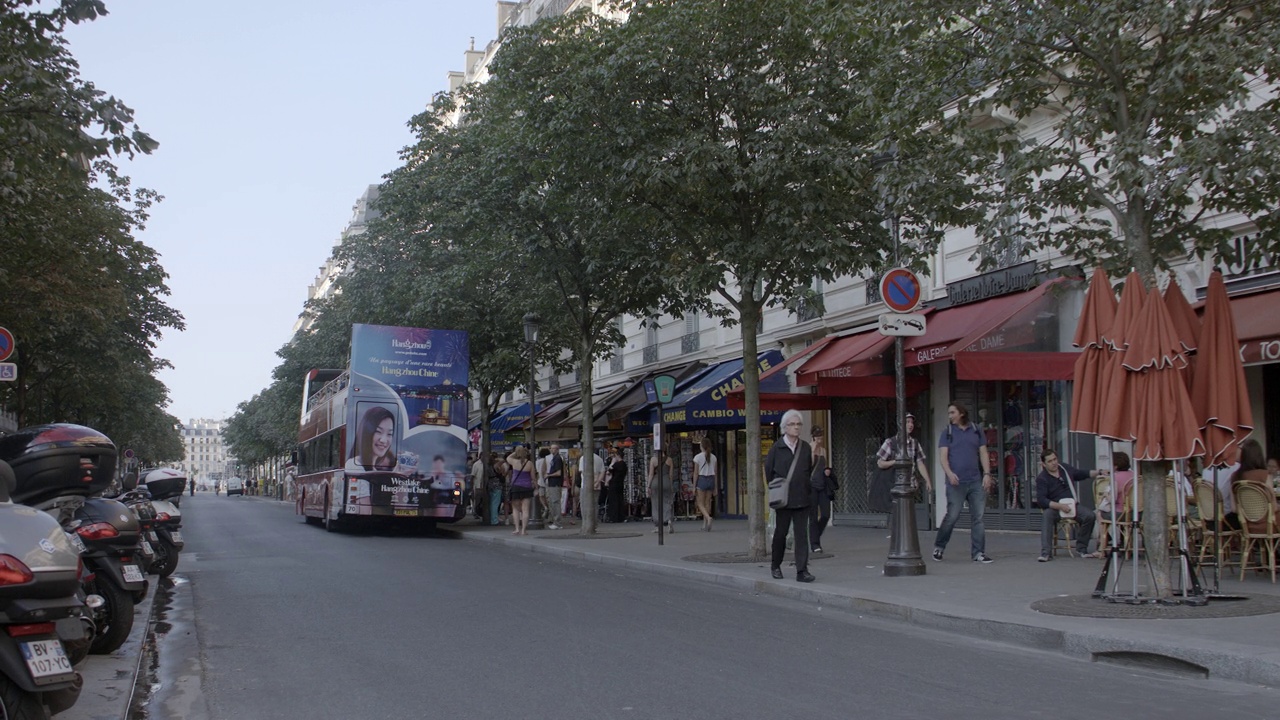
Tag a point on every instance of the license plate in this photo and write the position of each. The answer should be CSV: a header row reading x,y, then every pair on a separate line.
x,y
76,542
151,535
177,536
131,573
147,549
412,512
45,658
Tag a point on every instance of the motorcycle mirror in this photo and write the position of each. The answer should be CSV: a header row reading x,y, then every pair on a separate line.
x,y
129,481
8,481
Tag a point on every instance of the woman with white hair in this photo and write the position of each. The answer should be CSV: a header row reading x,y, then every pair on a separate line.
x,y
788,451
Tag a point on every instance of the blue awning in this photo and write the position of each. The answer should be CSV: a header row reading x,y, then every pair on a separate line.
x,y
704,400
510,417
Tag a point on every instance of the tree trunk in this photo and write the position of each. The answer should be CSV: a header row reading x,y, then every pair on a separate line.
x,y
1155,525
754,477
587,499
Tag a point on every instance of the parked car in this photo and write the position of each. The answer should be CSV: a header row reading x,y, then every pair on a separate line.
x,y
235,486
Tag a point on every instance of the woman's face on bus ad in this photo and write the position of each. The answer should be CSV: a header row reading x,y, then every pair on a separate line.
x,y
382,437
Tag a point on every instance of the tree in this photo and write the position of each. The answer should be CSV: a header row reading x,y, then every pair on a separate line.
x,y
1129,135
427,243
539,176
755,137
83,297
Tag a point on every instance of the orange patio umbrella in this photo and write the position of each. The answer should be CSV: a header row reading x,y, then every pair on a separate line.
x,y
1165,426
1218,391
1185,323
1184,318
1098,316
1117,419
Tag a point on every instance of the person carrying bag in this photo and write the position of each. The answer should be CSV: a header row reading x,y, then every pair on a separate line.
x,y
791,458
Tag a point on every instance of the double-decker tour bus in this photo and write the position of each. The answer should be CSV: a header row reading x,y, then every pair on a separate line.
x,y
386,437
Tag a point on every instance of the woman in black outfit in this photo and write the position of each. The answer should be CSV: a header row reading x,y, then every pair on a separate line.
x,y
615,509
777,464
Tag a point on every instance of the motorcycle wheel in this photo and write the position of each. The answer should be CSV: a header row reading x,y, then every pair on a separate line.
x,y
114,618
166,560
18,704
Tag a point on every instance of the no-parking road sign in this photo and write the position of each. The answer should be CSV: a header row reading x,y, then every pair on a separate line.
x,y
900,290
6,344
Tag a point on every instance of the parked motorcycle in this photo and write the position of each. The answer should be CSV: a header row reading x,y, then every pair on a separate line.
x,y
138,500
111,534
165,486
39,577
60,468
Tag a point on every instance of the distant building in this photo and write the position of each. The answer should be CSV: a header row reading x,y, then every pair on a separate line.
x,y
362,213
207,459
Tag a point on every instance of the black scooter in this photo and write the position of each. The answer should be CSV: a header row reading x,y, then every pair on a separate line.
x,y
111,535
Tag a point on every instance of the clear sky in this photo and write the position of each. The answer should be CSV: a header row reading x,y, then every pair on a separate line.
x,y
272,117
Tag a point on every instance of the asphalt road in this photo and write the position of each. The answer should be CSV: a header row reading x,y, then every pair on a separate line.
x,y
272,618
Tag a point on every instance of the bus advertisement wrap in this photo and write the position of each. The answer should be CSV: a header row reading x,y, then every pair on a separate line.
x,y
406,420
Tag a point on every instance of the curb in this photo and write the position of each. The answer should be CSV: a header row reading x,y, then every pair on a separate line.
x,y
1214,661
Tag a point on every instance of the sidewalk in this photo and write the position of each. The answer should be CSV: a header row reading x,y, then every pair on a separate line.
x,y
992,602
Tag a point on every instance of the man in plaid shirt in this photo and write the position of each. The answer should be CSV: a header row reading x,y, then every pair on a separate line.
x,y
889,452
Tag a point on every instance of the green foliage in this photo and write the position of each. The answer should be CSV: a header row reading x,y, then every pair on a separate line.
x,y
82,296
1139,124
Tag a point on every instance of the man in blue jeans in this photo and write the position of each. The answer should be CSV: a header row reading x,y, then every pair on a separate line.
x,y
965,464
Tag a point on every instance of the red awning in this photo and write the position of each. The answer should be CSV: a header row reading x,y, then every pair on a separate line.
x,y
782,366
848,356
1257,325
1015,365
871,386
964,328
735,398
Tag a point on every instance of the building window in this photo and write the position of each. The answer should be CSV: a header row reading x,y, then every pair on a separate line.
x,y
691,341
651,340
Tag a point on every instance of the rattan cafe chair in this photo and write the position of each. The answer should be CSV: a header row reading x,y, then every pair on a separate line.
x,y
1207,498
1256,506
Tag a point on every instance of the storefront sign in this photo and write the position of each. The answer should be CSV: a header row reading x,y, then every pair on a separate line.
x,y
992,284
1259,352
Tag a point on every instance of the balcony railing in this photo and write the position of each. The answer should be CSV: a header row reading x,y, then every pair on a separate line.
x,y
650,354
690,343
615,363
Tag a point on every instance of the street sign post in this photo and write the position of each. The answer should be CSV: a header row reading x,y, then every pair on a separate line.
x,y
900,290
7,344
902,324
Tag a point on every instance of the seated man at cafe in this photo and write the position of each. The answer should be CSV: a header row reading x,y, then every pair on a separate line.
x,y
1056,494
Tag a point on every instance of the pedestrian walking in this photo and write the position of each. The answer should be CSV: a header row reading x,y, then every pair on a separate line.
x,y
662,489
825,485
794,458
887,456
704,469
963,451
493,487
479,490
555,488
615,507
521,488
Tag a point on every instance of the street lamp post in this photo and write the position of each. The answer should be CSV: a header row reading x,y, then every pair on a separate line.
x,y
531,322
904,549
